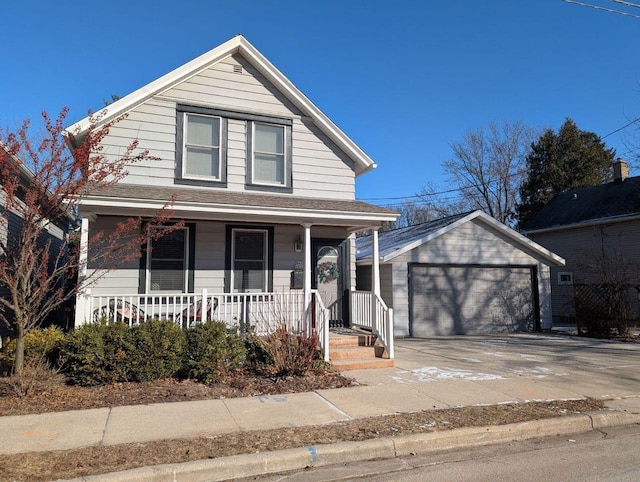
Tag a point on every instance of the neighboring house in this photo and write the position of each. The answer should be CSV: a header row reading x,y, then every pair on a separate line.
x,y
463,274
265,183
597,230
55,231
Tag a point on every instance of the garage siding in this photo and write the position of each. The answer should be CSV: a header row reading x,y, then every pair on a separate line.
x,y
472,243
457,300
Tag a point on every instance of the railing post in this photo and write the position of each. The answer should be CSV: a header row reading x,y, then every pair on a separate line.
x,y
390,334
83,307
203,309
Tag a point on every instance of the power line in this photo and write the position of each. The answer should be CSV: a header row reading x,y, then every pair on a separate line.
x,y
629,4
596,7
624,126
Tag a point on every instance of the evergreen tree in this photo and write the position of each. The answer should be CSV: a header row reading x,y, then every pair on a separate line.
x,y
562,161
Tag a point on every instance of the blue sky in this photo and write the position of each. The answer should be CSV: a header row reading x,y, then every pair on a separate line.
x,y
403,79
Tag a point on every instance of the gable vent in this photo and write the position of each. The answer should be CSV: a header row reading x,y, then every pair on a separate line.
x,y
237,69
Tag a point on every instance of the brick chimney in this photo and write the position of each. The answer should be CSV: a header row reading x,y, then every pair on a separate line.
x,y
620,170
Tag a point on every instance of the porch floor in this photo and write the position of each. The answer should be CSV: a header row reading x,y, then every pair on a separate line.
x,y
352,349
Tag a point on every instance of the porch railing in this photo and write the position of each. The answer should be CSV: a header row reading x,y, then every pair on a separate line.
x,y
262,312
369,311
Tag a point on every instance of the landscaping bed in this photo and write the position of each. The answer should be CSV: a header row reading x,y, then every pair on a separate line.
x,y
55,395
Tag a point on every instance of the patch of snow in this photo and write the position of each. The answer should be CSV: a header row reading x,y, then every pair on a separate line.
x,y
528,357
432,374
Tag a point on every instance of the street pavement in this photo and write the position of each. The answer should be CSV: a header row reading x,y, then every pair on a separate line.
x,y
429,374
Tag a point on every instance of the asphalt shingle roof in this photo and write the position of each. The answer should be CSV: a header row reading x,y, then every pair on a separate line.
x,y
390,241
611,200
221,197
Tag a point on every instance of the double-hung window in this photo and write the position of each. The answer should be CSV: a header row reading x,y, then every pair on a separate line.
x,y
249,260
269,154
269,166
202,147
167,261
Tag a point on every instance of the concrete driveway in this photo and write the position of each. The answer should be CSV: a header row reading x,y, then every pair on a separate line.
x,y
454,371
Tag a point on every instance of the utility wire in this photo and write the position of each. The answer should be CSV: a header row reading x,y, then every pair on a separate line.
x,y
629,4
624,126
582,4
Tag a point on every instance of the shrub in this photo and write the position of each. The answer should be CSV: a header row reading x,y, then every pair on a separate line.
x,y
213,351
97,354
291,353
40,344
158,350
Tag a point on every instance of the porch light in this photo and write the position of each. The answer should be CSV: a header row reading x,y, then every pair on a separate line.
x,y
297,244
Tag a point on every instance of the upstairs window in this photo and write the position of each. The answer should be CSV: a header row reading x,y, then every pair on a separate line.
x,y
201,151
268,154
201,146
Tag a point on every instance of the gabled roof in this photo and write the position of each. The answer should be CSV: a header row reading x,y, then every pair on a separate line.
x,y
398,241
603,203
236,45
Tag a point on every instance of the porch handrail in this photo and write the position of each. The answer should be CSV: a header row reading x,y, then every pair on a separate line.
x,y
369,311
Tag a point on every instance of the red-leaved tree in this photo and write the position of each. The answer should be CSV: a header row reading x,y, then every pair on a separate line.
x,y
41,185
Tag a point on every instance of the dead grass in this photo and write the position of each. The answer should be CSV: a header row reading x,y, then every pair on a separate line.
x,y
104,459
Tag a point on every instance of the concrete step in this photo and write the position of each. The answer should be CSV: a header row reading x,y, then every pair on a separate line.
x,y
345,352
351,340
361,364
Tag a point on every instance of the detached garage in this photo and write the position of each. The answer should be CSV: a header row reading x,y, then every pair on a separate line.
x,y
464,274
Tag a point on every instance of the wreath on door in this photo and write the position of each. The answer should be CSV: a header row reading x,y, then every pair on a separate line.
x,y
328,272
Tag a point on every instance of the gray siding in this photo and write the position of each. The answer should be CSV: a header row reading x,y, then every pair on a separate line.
x,y
319,168
210,246
579,247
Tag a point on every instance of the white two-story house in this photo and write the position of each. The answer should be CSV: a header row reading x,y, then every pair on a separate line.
x,y
265,183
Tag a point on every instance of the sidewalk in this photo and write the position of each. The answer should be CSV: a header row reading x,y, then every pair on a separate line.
x,y
383,391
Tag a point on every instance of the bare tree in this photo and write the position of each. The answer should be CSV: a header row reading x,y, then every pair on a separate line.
x,y
485,172
42,182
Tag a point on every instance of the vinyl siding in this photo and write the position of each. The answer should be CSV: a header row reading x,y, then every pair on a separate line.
x,y
470,243
579,245
210,248
319,168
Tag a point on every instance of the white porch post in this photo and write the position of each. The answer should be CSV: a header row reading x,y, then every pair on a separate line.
x,y
307,266
375,263
375,277
81,297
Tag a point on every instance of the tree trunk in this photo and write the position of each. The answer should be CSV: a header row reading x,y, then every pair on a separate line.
x,y
18,364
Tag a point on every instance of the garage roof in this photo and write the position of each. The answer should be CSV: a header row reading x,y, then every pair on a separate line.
x,y
398,241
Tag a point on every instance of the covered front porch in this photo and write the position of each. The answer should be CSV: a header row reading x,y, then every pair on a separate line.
x,y
262,263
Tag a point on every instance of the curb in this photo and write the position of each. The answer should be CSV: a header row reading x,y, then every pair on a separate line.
x,y
249,465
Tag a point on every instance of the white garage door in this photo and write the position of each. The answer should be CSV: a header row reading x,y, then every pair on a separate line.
x,y
456,300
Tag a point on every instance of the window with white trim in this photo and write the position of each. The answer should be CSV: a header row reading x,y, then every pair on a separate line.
x,y
249,260
167,262
201,150
565,278
269,164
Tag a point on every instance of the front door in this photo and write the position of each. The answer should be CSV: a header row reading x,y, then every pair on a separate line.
x,y
328,279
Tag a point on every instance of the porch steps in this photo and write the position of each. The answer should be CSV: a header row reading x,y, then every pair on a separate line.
x,y
356,351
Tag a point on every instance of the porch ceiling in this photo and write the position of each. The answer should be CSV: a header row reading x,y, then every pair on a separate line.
x,y
217,205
